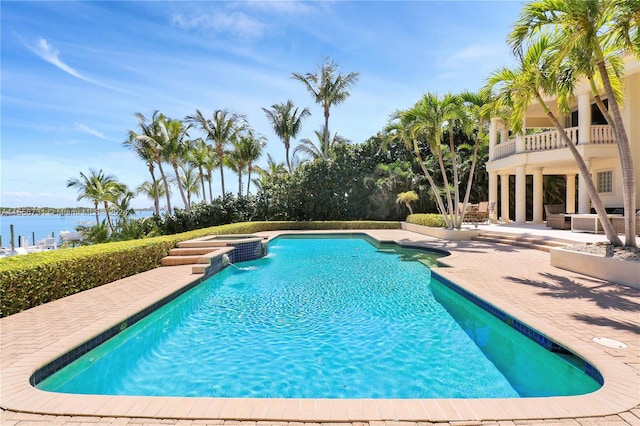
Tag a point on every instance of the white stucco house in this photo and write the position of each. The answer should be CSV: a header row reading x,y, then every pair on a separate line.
x,y
543,153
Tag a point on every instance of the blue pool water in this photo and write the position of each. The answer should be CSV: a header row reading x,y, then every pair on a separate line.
x,y
323,318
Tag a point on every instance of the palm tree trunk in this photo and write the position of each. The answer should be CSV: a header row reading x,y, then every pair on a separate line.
x,y
210,176
222,179
474,159
239,183
95,203
249,177
184,198
325,147
106,210
584,171
286,153
154,183
457,221
434,188
201,173
626,161
445,180
166,185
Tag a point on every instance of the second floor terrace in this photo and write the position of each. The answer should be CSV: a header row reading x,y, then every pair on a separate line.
x,y
550,140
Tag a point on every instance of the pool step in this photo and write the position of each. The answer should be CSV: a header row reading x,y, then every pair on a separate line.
x,y
188,251
174,260
527,241
200,258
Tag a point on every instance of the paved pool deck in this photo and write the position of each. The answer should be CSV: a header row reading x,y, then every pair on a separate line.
x,y
567,307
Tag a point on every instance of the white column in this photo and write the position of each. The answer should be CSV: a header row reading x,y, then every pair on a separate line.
x,y
504,197
520,146
493,136
571,194
537,195
584,203
521,195
504,133
493,196
584,118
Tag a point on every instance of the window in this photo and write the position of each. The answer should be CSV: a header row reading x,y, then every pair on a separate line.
x,y
605,181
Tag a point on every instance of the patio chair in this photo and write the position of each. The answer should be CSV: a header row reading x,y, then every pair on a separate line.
x,y
618,224
556,217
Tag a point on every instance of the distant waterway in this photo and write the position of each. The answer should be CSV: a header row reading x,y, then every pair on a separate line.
x,y
43,226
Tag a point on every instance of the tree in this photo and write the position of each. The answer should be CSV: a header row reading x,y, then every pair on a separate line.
x,y
151,140
585,32
312,151
535,77
427,120
328,87
152,190
407,198
479,107
144,151
221,129
247,149
97,188
175,146
198,156
267,175
286,122
189,182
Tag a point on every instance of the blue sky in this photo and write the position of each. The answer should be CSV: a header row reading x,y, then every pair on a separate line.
x,y
74,73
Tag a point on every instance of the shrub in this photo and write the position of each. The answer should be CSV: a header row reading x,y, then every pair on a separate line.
x,y
427,219
28,281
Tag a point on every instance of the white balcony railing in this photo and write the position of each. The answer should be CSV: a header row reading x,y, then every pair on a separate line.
x,y
545,141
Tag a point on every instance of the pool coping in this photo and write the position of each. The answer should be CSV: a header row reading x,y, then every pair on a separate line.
x,y
619,393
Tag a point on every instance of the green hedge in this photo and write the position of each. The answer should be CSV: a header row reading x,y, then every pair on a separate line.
x,y
28,281
427,219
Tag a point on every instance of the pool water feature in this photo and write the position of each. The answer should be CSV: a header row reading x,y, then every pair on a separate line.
x,y
324,318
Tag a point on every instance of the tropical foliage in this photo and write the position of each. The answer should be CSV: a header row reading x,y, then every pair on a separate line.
x,y
559,41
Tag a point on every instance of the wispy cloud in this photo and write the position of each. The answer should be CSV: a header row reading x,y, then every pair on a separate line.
x,y
89,130
289,7
237,23
50,54
474,52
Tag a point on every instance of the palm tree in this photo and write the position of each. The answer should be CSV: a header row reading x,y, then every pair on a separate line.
x,y
328,87
146,154
175,147
400,129
428,119
407,198
97,188
247,149
312,151
198,156
267,175
479,107
87,190
151,139
152,190
536,77
212,161
592,28
221,129
253,152
286,122
189,182
236,161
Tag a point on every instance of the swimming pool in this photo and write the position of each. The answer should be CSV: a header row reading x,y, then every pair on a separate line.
x,y
290,327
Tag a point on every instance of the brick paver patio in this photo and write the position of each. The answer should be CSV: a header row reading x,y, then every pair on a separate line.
x,y
568,307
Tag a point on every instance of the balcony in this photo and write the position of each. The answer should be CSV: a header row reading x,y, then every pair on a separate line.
x,y
547,141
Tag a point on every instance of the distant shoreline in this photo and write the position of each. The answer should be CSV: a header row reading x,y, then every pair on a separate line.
x,y
63,211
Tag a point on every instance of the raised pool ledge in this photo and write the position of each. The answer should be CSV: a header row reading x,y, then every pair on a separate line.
x,y
73,320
